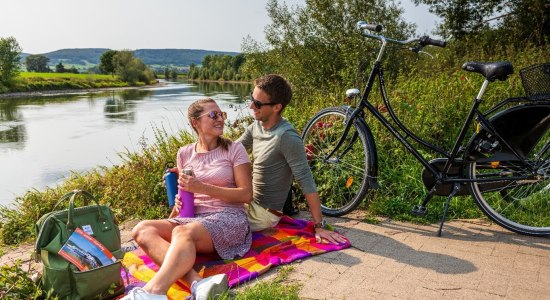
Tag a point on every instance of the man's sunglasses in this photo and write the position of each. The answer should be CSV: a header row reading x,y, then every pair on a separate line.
x,y
259,104
214,115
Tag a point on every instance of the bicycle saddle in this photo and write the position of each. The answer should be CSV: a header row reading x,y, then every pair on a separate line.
x,y
494,70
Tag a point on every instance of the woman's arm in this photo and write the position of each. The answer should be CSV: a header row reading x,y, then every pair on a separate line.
x,y
240,194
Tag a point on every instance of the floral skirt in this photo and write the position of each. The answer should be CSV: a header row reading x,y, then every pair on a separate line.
x,y
228,228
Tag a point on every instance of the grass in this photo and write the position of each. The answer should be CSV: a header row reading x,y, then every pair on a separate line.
x,y
433,104
278,288
31,82
65,75
399,173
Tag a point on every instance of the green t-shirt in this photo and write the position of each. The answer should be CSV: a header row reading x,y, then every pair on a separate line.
x,y
278,155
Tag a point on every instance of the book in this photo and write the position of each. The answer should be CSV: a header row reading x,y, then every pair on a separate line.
x,y
85,252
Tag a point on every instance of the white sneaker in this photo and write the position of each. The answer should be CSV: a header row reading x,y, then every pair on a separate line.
x,y
209,288
140,294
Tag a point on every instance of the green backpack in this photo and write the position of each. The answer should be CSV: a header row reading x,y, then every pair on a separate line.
x,y
61,276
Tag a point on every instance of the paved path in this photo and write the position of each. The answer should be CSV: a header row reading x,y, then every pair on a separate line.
x,y
474,259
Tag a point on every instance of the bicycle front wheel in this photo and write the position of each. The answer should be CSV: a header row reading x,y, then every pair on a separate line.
x,y
521,205
342,178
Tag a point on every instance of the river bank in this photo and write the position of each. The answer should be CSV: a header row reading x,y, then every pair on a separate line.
x,y
72,91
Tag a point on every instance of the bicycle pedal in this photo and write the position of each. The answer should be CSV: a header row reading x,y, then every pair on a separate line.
x,y
420,211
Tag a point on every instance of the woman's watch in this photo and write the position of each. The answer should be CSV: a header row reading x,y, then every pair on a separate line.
x,y
323,224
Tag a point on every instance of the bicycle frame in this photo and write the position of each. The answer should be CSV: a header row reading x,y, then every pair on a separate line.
x,y
441,176
504,165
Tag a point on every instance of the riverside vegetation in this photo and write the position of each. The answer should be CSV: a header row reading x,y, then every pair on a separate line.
x,y
129,71
433,103
318,50
30,82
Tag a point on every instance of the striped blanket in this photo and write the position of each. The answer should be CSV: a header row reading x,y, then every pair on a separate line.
x,y
290,240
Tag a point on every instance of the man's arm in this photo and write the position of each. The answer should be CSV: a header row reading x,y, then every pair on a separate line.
x,y
246,138
293,149
314,204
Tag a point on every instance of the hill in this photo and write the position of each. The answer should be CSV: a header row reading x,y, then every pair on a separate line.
x,y
88,57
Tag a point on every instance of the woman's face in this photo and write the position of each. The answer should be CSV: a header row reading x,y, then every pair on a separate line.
x,y
210,122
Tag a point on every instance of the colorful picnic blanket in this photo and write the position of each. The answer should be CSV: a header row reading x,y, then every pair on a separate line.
x,y
290,240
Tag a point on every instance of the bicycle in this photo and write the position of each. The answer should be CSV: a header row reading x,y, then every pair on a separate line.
x,y
504,165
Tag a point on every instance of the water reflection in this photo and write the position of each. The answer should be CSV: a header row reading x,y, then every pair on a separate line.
x,y
238,91
12,128
121,106
54,135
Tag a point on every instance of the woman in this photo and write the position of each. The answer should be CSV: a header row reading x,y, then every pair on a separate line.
x,y
221,184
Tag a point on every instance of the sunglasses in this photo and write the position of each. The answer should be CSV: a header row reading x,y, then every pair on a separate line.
x,y
259,104
214,115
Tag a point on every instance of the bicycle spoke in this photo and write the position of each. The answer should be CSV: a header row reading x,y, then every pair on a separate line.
x,y
341,179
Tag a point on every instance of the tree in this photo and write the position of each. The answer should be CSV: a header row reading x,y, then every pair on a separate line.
x,y
106,64
518,20
318,45
60,68
166,73
73,70
131,69
37,63
10,55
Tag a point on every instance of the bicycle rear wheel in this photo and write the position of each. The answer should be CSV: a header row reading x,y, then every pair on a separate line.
x,y
341,179
520,205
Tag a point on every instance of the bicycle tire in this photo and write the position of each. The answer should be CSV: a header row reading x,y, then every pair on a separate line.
x,y
522,206
342,182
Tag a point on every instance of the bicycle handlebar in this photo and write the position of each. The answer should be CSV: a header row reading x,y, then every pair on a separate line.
x,y
422,41
372,27
426,40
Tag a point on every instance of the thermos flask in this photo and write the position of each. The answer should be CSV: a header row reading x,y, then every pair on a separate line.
x,y
171,183
187,198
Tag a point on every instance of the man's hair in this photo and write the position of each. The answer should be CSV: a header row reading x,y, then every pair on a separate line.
x,y
276,87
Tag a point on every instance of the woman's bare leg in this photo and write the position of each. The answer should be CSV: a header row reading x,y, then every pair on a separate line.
x,y
177,259
154,237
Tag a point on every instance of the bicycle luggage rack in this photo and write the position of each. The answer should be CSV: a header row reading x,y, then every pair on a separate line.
x,y
536,81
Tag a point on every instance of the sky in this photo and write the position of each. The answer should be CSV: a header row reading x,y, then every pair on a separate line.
x,y
42,26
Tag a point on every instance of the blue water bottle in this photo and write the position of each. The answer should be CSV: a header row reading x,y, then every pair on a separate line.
x,y
171,183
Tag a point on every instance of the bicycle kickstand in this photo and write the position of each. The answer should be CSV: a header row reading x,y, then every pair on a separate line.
x,y
456,188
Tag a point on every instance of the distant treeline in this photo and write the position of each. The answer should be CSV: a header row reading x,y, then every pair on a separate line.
x,y
88,57
219,67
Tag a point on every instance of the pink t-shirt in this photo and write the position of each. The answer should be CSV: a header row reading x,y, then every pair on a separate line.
x,y
214,167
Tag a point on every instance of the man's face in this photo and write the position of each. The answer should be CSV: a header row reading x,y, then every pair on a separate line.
x,y
266,111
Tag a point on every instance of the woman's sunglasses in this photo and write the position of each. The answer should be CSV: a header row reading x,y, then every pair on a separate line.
x,y
258,104
214,115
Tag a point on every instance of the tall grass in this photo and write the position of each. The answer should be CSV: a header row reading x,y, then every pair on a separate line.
x,y
132,189
432,97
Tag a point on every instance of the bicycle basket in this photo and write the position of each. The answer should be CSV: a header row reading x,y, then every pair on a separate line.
x,y
536,81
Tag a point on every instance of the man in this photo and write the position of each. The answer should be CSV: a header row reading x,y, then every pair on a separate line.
x,y
279,155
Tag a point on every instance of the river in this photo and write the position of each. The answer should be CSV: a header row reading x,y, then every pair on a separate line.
x,y
44,139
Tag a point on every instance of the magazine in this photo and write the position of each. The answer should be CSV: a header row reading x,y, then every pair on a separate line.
x,y
86,252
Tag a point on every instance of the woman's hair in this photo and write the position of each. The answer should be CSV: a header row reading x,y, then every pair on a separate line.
x,y
195,110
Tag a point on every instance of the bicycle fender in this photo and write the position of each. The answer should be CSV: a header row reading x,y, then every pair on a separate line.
x,y
520,126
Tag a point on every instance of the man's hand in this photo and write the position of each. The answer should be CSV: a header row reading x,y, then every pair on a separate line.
x,y
327,236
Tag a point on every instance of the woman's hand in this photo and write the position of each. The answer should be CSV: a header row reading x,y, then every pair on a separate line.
x,y
177,207
190,183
